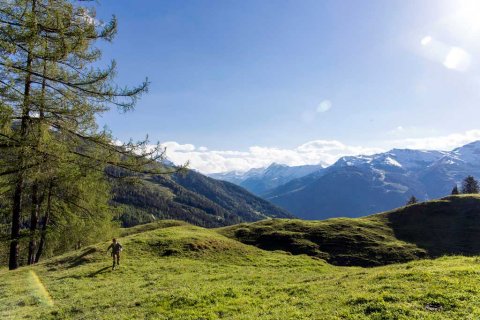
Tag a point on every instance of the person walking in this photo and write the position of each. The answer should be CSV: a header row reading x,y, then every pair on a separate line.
x,y
116,249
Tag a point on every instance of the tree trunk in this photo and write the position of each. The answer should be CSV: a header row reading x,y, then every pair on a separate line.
x,y
45,221
15,234
33,223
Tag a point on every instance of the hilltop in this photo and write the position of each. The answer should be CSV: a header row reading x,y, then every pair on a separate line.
x,y
430,229
172,270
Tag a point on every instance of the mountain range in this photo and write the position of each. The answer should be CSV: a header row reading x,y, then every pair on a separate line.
x,y
359,185
262,180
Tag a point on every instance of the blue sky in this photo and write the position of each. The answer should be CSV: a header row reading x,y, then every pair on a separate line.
x,y
241,84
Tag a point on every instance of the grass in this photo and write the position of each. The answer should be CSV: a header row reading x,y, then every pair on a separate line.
x,y
340,241
186,272
173,270
431,229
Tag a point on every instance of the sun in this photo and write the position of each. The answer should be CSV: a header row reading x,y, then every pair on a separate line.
x,y
465,17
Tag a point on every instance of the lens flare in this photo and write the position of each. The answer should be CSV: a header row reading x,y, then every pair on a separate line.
x,y
39,289
426,40
457,59
453,58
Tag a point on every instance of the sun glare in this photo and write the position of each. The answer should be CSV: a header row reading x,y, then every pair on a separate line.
x,y
470,13
39,289
465,18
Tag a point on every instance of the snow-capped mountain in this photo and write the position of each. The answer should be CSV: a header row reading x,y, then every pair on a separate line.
x,y
355,186
261,180
404,159
453,167
236,177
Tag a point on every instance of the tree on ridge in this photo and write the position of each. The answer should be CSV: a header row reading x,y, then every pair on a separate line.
x,y
470,185
412,200
455,190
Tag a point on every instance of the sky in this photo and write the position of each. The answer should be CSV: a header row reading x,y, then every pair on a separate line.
x,y
241,84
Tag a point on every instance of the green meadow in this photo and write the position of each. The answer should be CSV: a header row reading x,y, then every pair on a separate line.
x,y
173,270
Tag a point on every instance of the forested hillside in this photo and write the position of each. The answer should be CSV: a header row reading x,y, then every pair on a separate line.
x,y
191,197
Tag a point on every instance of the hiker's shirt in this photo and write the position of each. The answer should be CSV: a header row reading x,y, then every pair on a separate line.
x,y
116,248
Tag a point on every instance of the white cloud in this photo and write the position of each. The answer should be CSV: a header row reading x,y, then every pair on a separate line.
x,y
325,152
210,161
447,142
172,145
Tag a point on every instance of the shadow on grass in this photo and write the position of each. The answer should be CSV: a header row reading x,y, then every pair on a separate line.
x,y
447,226
94,274
81,258
90,275
86,256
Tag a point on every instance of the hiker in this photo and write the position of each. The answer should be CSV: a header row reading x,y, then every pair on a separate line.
x,y
116,249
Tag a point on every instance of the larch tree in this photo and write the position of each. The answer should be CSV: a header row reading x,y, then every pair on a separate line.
x,y
50,95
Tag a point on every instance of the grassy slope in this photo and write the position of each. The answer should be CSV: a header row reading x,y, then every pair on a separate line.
x,y
431,229
176,271
340,241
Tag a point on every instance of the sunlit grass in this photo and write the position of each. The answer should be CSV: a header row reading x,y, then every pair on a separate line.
x,y
185,272
39,290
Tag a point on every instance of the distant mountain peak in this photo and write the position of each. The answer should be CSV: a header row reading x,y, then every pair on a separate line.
x,y
470,148
356,185
261,180
276,165
474,144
